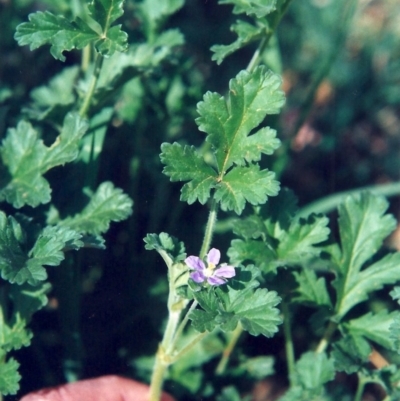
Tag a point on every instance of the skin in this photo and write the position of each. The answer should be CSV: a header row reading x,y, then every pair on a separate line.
x,y
105,388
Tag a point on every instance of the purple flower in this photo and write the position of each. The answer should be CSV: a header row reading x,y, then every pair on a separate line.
x,y
210,273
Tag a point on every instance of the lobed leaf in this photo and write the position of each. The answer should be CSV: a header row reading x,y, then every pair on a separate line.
x,y
164,242
375,327
246,32
363,226
350,353
311,290
19,266
9,376
182,163
106,205
259,8
252,96
27,159
243,184
63,35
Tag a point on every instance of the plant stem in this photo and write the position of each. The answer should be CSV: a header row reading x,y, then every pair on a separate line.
x,y
290,360
212,218
228,350
89,94
327,337
360,388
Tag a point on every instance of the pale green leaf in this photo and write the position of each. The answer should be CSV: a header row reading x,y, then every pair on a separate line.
x,y
259,8
9,376
311,289
375,327
27,159
363,226
63,35
106,205
247,33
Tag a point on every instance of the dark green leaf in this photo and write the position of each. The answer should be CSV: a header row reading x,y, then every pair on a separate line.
x,y
106,205
182,163
243,184
252,96
350,354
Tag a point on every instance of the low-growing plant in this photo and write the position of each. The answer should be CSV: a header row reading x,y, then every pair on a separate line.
x,y
286,269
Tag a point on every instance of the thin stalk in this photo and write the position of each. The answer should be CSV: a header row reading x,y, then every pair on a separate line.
x,y
92,86
326,337
228,350
265,40
182,325
212,218
189,346
287,331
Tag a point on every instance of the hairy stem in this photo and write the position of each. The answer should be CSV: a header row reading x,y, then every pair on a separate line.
x,y
326,337
212,218
228,350
92,86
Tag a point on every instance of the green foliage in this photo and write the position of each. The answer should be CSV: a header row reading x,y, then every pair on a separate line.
x,y
363,226
107,204
26,159
254,308
281,239
235,177
63,35
257,7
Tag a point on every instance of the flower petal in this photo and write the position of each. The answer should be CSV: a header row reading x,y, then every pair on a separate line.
x,y
197,276
213,256
213,280
225,271
195,263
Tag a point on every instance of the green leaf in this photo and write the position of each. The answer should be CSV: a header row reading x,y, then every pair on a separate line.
x,y
182,163
243,184
311,290
350,354
155,10
259,8
105,12
251,251
246,32
107,204
252,96
27,159
9,376
63,35
56,98
297,244
254,309
249,227
375,327
363,226
164,242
